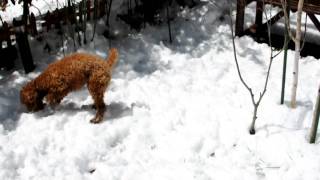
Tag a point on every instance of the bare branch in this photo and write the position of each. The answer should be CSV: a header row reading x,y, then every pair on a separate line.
x,y
32,5
305,32
255,103
235,56
286,20
270,61
48,5
1,20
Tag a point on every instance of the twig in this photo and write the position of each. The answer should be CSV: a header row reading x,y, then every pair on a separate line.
x,y
271,58
305,32
37,9
109,11
286,19
48,5
236,60
1,20
168,22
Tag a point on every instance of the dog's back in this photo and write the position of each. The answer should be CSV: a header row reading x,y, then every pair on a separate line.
x,y
75,68
69,74
73,71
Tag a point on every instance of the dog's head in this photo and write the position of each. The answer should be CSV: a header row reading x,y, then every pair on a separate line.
x,y
30,97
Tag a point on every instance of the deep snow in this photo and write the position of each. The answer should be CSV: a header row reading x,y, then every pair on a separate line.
x,y
174,112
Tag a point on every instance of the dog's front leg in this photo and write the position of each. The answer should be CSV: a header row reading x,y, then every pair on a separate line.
x,y
54,99
39,101
99,115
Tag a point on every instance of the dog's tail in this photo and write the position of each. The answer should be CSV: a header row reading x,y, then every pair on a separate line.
x,y
112,58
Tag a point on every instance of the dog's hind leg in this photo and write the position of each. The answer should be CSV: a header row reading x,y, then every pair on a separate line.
x,y
97,85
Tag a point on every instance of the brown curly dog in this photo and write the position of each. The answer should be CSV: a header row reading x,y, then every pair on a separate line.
x,y
69,74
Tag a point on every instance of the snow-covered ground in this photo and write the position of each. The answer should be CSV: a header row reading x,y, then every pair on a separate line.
x,y
174,112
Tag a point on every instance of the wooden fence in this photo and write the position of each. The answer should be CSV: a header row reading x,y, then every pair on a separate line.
x,y
15,33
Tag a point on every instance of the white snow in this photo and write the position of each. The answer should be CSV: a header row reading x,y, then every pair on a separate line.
x,y
174,112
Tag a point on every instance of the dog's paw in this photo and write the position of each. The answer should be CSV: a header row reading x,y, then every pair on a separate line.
x,y
96,120
93,106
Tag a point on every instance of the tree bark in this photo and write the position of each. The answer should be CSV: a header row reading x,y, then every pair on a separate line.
x,y
297,56
255,111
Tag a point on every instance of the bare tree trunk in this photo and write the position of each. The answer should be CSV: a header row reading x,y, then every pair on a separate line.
x,y
315,121
297,56
255,111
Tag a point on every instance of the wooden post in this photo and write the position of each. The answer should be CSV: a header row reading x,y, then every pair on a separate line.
x,y
1,52
95,17
102,8
23,43
81,12
47,19
95,9
25,15
33,25
9,52
55,18
65,17
88,10
25,52
259,16
259,12
6,33
316,116
71,13
241,5
84,24
271,21
314,20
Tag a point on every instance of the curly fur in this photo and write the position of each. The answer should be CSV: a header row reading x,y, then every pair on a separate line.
x,y
70,74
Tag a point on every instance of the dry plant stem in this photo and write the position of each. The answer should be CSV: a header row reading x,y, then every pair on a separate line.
x,y
254,102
